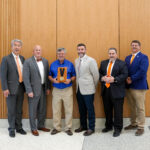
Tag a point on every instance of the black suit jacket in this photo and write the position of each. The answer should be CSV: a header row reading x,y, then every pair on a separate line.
x,y
9,73
120,73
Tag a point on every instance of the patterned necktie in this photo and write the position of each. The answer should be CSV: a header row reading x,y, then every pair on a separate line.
x,y
19,69
132,58
79,66
109,73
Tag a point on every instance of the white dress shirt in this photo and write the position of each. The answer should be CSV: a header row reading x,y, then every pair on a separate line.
x,y
20,63
41,69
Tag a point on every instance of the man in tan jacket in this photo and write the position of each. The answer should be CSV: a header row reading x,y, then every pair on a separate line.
x,y
87,77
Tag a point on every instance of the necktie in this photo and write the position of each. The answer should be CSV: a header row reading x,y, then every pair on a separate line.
x,y
19,70
109,73
79,66
132,58
40,59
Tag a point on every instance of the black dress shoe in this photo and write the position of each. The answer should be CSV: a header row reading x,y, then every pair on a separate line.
x,y
69,132
80,129
54,131
106,130
21,131
12,133
116,133
88,132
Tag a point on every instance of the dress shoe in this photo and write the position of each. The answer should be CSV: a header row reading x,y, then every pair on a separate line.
x,y
106,130
139,132
21,131
116,133
54,131
88,132
12,133
35,133
44,129
130,127
80,129
69,132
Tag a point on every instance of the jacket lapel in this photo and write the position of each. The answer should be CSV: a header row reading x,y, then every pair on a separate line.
x,y
36,66
13,62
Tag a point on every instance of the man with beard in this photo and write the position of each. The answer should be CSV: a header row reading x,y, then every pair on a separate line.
x,y
86,81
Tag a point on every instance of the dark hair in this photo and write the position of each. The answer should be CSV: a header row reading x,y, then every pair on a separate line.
x,y
136,41
112,48
81,44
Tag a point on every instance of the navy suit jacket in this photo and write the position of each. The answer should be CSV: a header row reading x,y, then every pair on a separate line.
x,y
138,71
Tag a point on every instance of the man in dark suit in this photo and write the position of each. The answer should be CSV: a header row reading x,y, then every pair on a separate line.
x,y
113,73
13,87
137,86
35,76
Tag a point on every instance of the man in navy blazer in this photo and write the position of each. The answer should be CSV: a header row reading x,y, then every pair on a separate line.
x,y
137,85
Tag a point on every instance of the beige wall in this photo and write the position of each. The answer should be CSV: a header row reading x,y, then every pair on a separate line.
x,y
99,24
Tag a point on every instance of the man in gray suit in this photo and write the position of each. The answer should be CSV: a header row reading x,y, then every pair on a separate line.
x,y
35,76
13,87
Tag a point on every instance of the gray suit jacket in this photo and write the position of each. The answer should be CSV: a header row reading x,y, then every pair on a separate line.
x,y
32,77
9,73
89,75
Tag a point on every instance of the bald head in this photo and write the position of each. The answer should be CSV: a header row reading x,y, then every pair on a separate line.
x,y
37,51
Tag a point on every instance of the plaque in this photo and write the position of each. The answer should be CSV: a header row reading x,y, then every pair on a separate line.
x,y
62,74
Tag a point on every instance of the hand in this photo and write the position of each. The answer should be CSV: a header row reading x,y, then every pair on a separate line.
x,y
47,92
128,80
31,94
6,93
111,79
67,81
104,78
55,80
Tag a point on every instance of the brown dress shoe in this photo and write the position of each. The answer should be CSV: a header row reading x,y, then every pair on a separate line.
x,y
130,127
54,131
139,132
69,132
44,129
35,133
88,132
80,129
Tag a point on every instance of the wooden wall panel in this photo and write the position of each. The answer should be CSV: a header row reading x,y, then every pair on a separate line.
x,y
9,18
94,23
135,24
38,26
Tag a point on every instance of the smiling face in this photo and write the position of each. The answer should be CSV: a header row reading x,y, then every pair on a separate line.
x,y
135,47
16,48
37,51
112,55
81,51
61,55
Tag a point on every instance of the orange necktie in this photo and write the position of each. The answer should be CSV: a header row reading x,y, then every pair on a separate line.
x,y
19,70
109,73
132,58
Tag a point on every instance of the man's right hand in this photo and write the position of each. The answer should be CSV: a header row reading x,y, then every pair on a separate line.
x,y
55,80
6,93
31,94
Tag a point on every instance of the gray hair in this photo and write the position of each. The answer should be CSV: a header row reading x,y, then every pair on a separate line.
x,y
61,49
112,48
16,40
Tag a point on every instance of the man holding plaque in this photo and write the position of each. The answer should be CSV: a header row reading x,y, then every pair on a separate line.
x,y
87,79
62,74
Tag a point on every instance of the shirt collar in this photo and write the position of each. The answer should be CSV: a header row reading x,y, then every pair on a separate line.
x,y
136,53
60,63
14,55
82,57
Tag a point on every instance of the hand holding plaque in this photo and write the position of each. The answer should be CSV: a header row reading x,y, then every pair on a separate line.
x,y
62,74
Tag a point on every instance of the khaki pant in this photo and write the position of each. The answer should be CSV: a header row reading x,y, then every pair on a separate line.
x,y
136,100
65,96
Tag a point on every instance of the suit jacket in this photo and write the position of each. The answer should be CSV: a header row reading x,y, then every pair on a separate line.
x,y
138,71
9,73
89,75
120,73
32,77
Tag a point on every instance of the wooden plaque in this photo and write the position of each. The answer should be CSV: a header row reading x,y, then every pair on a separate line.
x,y
62,74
